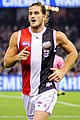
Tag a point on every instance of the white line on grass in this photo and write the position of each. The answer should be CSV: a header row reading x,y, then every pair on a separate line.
x,y
9,96
12,117
55,116
68,104
65,116
59,102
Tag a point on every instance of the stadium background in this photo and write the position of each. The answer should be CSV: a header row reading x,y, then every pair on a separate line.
x,y
14,17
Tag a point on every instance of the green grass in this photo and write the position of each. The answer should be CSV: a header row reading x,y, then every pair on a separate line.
x,y
67,107
70,110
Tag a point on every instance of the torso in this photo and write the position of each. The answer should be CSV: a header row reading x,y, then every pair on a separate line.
x,y
36,69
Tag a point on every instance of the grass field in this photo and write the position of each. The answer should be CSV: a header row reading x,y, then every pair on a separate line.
x,y
67,107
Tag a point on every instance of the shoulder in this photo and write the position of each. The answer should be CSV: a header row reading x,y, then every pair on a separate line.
x,y
61,38
60,35
14,38
14,35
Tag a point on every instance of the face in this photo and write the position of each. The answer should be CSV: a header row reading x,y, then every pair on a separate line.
x,y
36,18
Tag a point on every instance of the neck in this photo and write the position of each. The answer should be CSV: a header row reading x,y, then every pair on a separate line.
x,y
37,29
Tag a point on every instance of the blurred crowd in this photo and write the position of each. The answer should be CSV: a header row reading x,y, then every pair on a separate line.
x,y
66,20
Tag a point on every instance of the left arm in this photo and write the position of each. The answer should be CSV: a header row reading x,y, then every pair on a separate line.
x,y
72,55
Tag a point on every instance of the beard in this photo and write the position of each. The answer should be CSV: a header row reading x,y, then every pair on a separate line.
x,y
36,26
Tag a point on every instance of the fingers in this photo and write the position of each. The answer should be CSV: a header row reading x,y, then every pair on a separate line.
x,y
23,55
53,69
55,75
25,49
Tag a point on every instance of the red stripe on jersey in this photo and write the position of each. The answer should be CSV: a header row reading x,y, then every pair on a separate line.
x,y
25,40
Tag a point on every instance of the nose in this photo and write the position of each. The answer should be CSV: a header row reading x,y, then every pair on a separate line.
x,y
33,14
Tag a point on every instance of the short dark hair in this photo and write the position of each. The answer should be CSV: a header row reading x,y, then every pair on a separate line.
x,y
43,9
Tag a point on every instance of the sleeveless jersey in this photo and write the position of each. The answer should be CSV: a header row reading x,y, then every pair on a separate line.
x,y
36,69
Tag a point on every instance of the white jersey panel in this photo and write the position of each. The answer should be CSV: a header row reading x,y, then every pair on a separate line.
x,y
54,37
36,57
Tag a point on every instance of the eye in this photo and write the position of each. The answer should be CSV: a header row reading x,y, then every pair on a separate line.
x,y
36,12
30,13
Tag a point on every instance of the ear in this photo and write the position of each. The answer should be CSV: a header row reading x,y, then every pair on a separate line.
x,y
44,16
45,19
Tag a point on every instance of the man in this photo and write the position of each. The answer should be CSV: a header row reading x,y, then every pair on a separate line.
x,y
58,63
35,48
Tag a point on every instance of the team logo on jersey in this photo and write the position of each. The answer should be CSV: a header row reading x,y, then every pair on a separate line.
x,y
46,45
46,52
26,43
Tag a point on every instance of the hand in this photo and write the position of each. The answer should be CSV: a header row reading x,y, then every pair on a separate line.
x,y
56,76
23,55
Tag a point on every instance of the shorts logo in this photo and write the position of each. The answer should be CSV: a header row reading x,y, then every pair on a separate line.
x,y
45,105
39,104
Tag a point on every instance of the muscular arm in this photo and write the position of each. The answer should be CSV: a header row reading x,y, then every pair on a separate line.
x,y
11,57
72,55
69,48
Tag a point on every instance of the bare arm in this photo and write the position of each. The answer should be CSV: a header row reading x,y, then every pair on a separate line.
x,y
69,48
12,55
72,55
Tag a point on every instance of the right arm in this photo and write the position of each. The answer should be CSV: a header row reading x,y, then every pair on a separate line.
x,y
12,55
